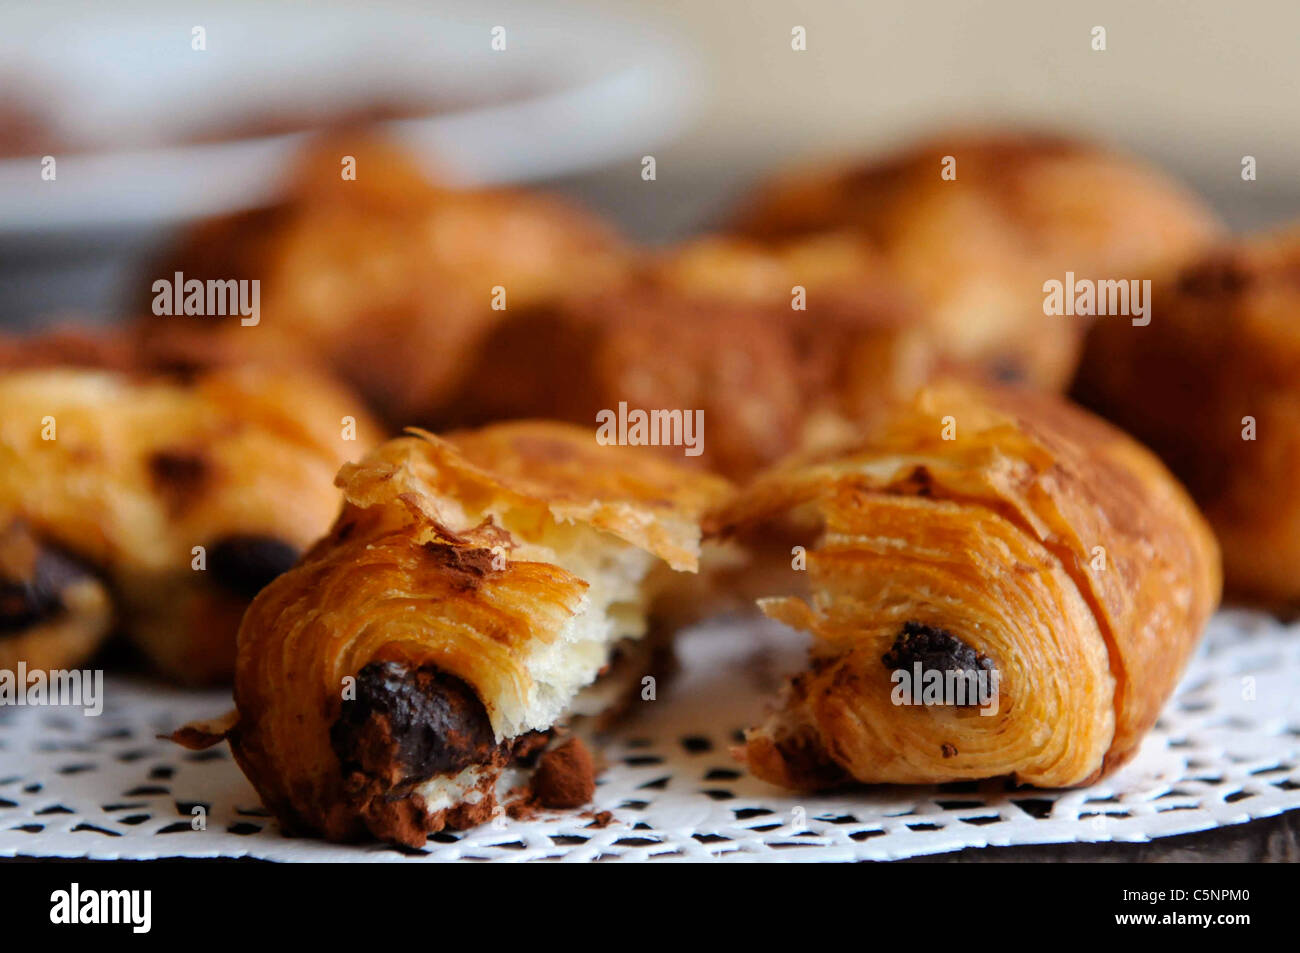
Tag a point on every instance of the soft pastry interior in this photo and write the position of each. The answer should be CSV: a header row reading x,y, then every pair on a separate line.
x,y
612,608
1000,541
471,588
559,668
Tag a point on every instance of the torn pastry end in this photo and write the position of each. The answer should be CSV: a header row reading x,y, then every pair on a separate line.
x,y
417,752
475,587
409,724
200,735
787,750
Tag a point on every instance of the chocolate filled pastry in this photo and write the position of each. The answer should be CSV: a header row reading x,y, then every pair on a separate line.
x,y
769,347
158,504
974,225
54,609
470,590
1212,384
384,278
996,584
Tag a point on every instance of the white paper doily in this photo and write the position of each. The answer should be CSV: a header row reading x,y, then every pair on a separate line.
x,y
1226,750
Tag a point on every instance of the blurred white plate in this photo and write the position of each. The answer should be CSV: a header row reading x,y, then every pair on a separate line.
x,y
574,88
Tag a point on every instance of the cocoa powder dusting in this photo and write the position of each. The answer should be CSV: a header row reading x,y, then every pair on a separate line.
x,y
466,566
565,776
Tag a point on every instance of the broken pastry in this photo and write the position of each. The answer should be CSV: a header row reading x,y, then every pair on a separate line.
x,y
1212,384
996,584
471,588
973,225
159,504
381,276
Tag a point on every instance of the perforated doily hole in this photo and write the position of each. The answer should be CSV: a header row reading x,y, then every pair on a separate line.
x,y
1225,750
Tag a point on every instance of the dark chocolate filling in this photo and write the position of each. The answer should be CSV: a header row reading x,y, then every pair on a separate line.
x,y
411,724
245,565
28,602
934,648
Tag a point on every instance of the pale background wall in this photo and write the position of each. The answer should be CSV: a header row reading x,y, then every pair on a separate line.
x,y
1194,84
1197,81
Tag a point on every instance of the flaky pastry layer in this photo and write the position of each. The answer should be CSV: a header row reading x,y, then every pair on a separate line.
x,y
470,588
979,530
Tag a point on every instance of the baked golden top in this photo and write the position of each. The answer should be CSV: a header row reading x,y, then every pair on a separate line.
x,y
973,225
138,470
182,482
1041,194
557,471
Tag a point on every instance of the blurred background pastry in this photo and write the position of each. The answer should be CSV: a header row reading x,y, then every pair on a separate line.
x,y
385,279
170,498
974,224
158,135
1212,384
780,346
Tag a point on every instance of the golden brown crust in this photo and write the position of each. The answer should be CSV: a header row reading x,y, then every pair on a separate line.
x,y
129,472
1222,350
1022,209
710,327
433,574
992,538
386,280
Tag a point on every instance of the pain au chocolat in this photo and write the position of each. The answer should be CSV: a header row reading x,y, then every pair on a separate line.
x,y
974,224
987,534
382,276
156,503
470,590
1212,384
